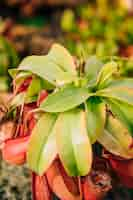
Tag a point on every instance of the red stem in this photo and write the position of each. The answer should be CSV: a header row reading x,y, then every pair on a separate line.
x,y
40,188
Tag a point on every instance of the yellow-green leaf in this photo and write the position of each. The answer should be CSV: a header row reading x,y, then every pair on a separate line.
x,y
42,146
120,89
121,82
106,73
123,94
73,143
45,68
65,99
116,138
92,68
13,72
95,115
33,89
57,67
123,111
61,57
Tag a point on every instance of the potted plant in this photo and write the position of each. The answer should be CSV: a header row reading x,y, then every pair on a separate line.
x,y
74,125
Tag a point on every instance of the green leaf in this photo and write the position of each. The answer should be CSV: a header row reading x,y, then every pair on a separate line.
x,y
106,73
123,94
112,145
61,57
116,138
119,131
43,67
123,111
92,68
33,89
95,114
46,85
73,144
57,67
121,82
65,99
13,72
42,146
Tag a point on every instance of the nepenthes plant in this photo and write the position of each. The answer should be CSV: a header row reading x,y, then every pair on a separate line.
x,y
73,125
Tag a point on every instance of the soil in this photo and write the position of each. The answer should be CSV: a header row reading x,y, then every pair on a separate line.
x,y
14,182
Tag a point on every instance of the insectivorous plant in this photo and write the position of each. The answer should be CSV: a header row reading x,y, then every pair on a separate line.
x,y
67,117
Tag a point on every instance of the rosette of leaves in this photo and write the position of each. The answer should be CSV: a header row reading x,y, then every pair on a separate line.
x,y
86,104
8,59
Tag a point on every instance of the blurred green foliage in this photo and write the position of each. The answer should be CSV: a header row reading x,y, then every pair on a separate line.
x,y
94,31
8,59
